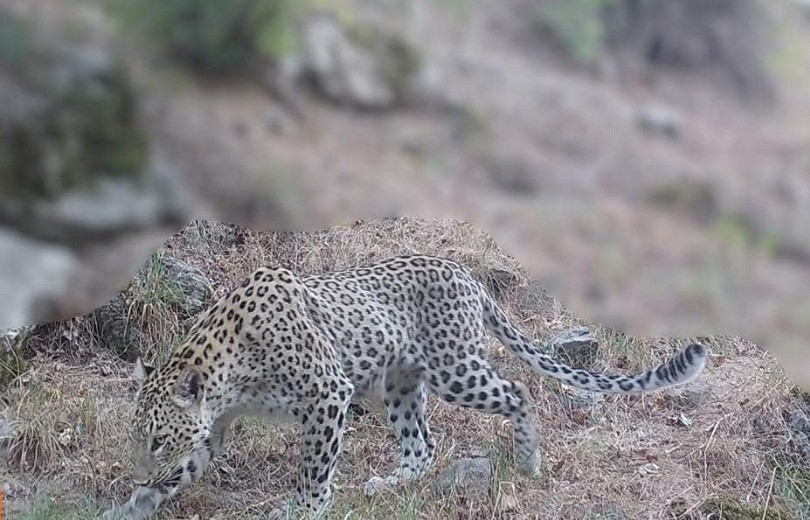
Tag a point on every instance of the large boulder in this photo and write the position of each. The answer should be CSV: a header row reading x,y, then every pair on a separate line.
x,y
76,172
74,119
471,477
33,272
363,66
161,303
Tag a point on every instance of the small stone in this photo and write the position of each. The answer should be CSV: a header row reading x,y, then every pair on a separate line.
x,y
499,280
688,398
576,347
465,476
659,120
514,175
649,469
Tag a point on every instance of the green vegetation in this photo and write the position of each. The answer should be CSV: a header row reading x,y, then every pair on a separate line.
x,y
36,444
399,59
800,393
154,287
12,363
15,37
216,36
577,24
725,507
792,481
159,302
88,126
44,507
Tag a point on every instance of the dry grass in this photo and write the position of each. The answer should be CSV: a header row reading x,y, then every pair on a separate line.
x,y
717,447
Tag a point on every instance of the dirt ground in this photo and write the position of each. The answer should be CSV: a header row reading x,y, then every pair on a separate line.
x,y
721,447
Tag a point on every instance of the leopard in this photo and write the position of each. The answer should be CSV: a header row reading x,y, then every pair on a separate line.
x,y
303,349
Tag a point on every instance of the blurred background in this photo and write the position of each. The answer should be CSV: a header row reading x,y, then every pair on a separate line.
x,y
647,160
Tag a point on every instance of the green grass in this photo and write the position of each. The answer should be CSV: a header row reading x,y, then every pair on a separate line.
x,y
154,287
215,36
730,508
12,364
577,24
15,37
45,507
792,483
47,425
35,444
157,310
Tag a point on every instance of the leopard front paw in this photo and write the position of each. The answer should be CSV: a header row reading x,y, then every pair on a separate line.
x,y
529,465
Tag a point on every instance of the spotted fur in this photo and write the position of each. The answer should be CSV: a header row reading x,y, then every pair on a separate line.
x,y
304,348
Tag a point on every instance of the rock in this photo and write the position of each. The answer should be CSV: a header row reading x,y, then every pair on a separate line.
x,y
180,289
499,280
76,120
513,175
471,477
210,237
117,331
533,299
659,120
111,208
194,286
577,347
363,67
688,398
33,273
6,431
75,165
584,408
798,420
696,197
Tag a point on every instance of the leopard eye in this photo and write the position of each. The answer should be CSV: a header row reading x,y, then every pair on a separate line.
x,y
158,441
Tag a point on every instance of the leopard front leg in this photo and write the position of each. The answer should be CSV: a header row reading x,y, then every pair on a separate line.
x,y
405,401
322,428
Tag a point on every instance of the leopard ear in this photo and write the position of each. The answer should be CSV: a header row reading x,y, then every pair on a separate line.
x,y
187,390
142,371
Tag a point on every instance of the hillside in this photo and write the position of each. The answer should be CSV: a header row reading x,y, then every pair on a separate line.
x,y
660,186
731,445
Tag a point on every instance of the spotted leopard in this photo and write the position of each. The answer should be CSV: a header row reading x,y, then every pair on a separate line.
x,y
304,348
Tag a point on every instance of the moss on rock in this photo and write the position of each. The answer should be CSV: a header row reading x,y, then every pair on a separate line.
x,y
70,124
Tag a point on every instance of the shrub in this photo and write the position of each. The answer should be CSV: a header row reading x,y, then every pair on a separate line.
x,y
15,37
723,39
576,24
215,35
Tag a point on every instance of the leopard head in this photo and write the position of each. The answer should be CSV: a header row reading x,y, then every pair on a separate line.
x,y
172,429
